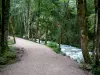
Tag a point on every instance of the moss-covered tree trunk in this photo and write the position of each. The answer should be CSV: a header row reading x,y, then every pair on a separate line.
x,y
5,21
84,37
12,28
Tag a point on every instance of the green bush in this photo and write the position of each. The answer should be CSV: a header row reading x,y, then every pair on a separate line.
x,y
7,57
96,70
10,42
3,60
54,46
13,49
10,55
90,45
57,50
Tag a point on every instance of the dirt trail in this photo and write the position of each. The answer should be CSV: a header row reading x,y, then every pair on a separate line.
x,y
41,60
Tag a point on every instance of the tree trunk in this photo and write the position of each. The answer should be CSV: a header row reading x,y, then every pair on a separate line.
x,y
12,29
46,39
84,37
37,30
22,32
60,38
30,30
95,24
5,21
28,17
39,5
39,35
35,37
0,23
97,62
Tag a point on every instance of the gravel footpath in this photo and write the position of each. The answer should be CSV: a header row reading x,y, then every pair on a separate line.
x,y
41,60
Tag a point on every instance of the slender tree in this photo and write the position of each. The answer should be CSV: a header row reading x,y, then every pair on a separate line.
x,y
95,24
97,33
28,17
46,35
60,37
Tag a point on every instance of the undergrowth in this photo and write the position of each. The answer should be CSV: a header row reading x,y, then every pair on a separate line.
x,y
8,57
54,46
96,70
10,42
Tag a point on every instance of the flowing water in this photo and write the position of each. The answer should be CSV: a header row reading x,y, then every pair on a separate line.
x,y
72,52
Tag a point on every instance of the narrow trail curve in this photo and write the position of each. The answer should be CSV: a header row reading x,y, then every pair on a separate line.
x,y
41,60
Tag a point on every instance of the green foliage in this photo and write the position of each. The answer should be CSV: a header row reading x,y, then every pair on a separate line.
x,y
46,12
90,7
10,42
59,12
8,57
3,60
85,66
96,70
91,22
54,46
59,15
90,45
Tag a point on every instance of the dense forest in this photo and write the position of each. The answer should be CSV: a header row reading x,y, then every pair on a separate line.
x,y
70,22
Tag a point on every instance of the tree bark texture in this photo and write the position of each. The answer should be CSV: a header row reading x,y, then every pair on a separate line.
x,y
5,21
84,37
